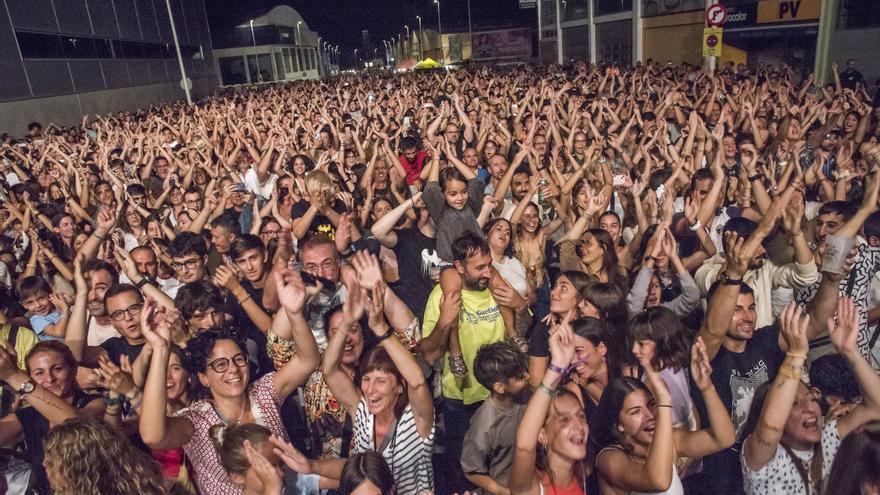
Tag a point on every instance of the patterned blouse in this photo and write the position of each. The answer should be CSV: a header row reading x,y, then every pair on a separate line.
x,y
209,474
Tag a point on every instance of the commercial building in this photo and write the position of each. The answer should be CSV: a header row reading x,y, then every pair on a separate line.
x,y
63,59
806,34
277,46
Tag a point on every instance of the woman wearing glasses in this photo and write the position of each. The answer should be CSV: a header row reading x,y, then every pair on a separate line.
x,y
221,366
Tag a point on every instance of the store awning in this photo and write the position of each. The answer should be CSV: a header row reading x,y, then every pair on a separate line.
x,y
428,63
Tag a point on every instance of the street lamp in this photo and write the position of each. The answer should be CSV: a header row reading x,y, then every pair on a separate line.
x,y
407,42
439,29
298,34
253,37
421,51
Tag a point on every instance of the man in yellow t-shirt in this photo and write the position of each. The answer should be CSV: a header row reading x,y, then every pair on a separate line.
x,y
479,322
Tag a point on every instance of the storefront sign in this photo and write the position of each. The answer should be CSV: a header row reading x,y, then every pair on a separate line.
x,y
528,4
712,41
788,10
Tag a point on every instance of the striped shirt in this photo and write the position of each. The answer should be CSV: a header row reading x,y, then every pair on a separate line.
x,y
407,454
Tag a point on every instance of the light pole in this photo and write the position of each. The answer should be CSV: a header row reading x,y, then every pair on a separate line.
x,y
470,29
439,29
356,57
184,81
253,37
320,58
298,34
407,42
421,51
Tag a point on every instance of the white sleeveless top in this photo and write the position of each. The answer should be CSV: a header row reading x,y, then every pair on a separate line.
x,y
675,488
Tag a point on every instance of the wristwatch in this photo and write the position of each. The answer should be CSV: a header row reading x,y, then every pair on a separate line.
x,y
725,279
26,387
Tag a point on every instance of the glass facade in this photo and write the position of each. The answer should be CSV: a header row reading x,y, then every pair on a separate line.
x,y
604,7
576,43
855,14
614,42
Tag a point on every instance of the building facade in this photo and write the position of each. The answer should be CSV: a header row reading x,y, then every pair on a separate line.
x,y
277,46
805,34
61,60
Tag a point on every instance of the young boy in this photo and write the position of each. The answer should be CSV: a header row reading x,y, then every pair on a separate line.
x,y
491,439
48,310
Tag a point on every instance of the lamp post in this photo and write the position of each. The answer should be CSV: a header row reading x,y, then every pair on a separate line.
x,y
184,81
320,57
356,58
298,34
439,30
421,39
253,37
407,42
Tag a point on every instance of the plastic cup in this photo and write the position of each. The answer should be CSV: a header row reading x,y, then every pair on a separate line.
x,y
836,250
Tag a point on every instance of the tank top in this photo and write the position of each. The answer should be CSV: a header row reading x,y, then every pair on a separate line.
x,y
575,486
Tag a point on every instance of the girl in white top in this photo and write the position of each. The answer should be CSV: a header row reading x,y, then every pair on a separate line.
x,y
788,448
632,428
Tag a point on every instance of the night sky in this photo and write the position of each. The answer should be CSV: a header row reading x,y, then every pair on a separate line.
x,y
341,21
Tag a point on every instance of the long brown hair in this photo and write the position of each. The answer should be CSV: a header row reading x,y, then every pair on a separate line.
x,y
88,457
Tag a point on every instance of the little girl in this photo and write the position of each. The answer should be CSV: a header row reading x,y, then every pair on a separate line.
x,y
454,198
256,461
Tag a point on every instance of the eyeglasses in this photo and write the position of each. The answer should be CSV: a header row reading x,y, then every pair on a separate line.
x,y
220,365
271,233
133,311
190,264
323,266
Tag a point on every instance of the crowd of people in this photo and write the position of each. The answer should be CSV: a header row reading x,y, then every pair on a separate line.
x,y
537,280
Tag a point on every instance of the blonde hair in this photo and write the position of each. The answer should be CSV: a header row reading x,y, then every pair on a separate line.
x,y
88,457
317,180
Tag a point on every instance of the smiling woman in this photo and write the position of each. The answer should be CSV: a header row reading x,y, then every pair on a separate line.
x,y
220,364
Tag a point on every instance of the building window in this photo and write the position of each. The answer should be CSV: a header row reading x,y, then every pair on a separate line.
x,y
575,10
614,42
279,65
604,7
232,70
855,14
40,45
576,43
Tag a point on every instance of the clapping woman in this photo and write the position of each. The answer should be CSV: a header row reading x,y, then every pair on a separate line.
x,y
632,430
393,409
221,365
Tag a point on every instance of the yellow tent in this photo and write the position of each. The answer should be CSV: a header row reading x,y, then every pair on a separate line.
x,y
428,63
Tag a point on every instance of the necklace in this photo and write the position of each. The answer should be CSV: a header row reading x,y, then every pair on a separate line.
x,y
229,422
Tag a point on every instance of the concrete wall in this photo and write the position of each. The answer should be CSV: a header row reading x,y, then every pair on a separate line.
x,y
860,44
69,109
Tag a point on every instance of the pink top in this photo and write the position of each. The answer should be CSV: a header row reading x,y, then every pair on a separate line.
x,y
210,476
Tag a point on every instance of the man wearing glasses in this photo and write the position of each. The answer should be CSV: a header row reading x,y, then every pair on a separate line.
x,y
123,303
189,257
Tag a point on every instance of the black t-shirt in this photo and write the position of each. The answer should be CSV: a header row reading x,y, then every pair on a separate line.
x,y
849,79
35,427
415,283
539,339
254,338
118,346
736,377
320,223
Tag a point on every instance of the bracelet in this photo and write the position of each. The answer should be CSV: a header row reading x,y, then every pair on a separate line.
x,y
797,356
242,301
387,334
98,236
136,391
557,369
696,226
753,178
547,390
142,282
111,413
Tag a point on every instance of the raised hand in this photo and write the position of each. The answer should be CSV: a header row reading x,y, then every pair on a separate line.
x,y
701,368
154,326
367,267
353,307
376,310
845,331
291,289
114,377
562,343
269,475
293,458
793,326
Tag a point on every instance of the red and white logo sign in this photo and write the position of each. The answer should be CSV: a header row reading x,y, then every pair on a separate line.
x,y
716,15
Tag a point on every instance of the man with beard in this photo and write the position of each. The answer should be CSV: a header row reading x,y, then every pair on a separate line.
x,y
763,276
743,354
479,323
516,180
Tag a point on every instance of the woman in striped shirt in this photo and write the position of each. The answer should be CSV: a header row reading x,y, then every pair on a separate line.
x,y
392,415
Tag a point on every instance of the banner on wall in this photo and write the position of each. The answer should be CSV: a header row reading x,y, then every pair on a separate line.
x,y
528,4
504,43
